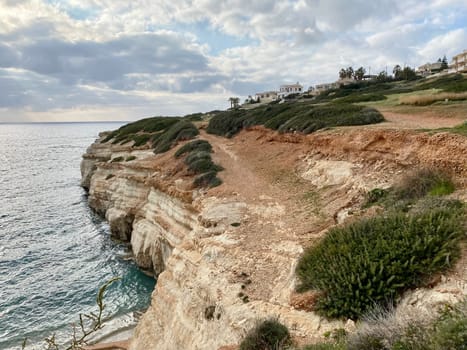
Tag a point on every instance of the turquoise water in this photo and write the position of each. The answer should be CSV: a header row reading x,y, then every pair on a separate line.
x,y
54,251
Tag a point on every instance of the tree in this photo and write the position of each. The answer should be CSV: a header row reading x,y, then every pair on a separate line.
x,y
359,73
408,74
444,63
382,76
350,72
397,71
234,102
342,73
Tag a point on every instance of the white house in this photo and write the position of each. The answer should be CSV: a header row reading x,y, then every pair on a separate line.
x,y
459,63
267,96
286,90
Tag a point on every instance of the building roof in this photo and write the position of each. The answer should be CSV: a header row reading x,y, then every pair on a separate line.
x,y
292,85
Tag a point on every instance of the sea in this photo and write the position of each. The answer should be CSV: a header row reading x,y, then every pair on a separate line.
x,y
55,252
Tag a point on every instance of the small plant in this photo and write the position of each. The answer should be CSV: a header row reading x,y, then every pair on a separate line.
x,y
199,162
109,176
130,158
267,335
208,179
197,145
117,159
88,324
374,260
180,131
374,196
422,182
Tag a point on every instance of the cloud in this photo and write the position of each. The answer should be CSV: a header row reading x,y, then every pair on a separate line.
x,y
143,55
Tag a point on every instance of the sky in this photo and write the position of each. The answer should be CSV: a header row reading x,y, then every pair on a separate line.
x,y
109,60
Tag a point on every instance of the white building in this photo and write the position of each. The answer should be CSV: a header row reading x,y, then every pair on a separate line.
x,y
459,63
286,90
267,96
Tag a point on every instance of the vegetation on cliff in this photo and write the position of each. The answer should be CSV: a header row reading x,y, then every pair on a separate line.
x,y
198,159
375,260
267,335
386,331
292,117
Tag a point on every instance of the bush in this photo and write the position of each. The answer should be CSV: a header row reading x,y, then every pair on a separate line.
x,y
389,331
267,335
355,98
203,165
289,117
208,179
148,125
197,145
374,260
422,182
180,131
141,139
117,159
130,158
198,160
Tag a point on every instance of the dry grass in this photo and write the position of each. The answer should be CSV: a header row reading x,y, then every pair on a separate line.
x,y
425,100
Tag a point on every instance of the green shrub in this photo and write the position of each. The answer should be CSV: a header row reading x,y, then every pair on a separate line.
x,y
140,139
450,330
180,131
355,98
197,145
267,335
208,179
375,196
448,83
203,165
117,159
374,260
130,158
148,125
290,117
199,162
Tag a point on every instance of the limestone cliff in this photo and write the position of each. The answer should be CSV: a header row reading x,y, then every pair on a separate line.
x,y
226,256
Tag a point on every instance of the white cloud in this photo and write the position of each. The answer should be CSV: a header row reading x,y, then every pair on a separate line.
x,y
93,55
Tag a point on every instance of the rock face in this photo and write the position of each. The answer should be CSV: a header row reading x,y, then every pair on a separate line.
x,y
226,257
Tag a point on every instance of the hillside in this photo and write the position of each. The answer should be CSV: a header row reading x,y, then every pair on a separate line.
x,y
222,206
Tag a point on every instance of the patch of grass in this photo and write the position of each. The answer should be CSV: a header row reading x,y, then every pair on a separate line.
x,y
140,139
196,145
386,330
180,131
117,159
293,117
447,83
426,100
422,182
356,98
147,125
375,260
130,158
267,335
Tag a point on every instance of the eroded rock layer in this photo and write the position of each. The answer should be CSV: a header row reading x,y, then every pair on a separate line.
x,y
226,257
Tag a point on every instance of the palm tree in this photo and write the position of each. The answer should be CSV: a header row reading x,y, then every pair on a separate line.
x,y
234,102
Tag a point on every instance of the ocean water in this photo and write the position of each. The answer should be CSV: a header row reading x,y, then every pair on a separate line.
x,y
54,251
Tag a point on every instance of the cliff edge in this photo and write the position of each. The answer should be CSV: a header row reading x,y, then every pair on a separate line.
x,y
226,256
